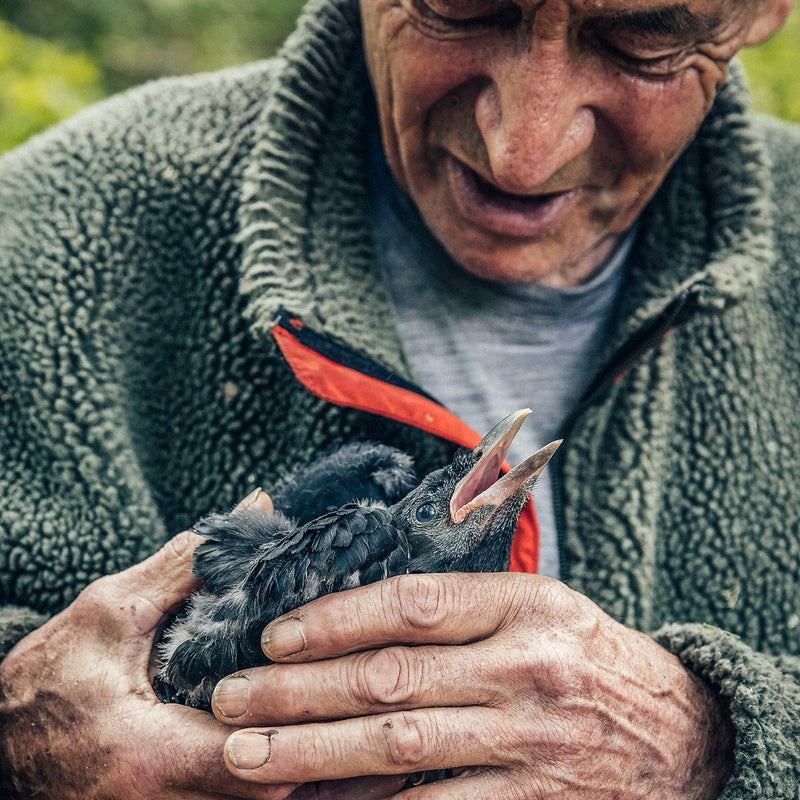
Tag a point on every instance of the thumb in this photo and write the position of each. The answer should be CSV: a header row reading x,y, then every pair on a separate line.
x,y
153,589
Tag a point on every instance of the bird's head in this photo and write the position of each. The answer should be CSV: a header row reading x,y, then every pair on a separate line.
x,y
463,517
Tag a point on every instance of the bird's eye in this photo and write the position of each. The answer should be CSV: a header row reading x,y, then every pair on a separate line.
x,y
426,513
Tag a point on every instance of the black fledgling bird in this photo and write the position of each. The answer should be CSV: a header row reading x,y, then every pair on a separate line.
x,y
256,566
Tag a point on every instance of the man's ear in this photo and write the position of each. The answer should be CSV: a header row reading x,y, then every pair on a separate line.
x,y
770,16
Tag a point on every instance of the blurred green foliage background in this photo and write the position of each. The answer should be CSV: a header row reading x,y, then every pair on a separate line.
x,y
58,55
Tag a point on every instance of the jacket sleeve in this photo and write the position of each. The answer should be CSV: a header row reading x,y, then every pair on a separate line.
x,y
114,242
763,694
74,502
16,622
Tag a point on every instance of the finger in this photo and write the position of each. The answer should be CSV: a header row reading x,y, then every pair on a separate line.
x,y
166,579
499,784
389,679
194,794
258,500
382,744
154,588
438,609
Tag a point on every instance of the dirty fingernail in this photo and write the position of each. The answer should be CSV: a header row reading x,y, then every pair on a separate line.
x,y
283,638
232,696
249,749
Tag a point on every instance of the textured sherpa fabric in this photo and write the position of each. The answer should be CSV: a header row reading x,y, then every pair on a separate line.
x,y
146,245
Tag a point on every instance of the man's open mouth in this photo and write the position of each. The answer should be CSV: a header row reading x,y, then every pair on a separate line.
x,y
504,213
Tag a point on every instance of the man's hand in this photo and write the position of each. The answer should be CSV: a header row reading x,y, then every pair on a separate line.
x,y
524,687
78,716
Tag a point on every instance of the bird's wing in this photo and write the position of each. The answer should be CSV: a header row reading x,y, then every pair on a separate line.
x,y
258,566
362,472
355,472
232,543
348,547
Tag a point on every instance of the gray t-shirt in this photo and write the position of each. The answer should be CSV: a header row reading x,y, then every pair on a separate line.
x,y
485,349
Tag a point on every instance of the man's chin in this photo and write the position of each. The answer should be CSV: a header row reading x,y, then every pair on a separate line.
x,y
543,262
506,268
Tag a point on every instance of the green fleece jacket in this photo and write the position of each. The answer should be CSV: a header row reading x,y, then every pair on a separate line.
x,y
147,245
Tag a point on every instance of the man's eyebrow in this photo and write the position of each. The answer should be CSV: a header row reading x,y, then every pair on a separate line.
x,y
673,20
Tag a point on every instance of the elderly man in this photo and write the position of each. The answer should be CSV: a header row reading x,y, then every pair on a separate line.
x,y
211,279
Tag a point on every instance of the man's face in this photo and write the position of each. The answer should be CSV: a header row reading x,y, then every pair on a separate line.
x,y
532,133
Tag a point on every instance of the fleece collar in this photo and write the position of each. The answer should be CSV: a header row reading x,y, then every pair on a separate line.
x,y
305,229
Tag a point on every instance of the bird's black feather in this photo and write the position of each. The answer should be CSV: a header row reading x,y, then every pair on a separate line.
x,y
356,472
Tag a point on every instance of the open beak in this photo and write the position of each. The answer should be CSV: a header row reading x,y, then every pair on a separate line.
x,y
490,454
521,478
480,486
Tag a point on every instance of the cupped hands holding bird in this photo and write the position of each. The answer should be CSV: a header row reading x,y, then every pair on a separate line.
x,y
500,684
523,686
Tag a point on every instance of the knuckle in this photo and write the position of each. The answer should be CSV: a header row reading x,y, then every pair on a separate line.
x,y
550,669
522,664
386,677
406,740
181,546
557,602
316,753
422,602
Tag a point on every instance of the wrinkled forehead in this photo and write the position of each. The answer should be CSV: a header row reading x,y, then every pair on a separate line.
x,y
724,24
680,11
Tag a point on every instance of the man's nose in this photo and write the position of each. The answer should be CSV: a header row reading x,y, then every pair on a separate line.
x,y
536,116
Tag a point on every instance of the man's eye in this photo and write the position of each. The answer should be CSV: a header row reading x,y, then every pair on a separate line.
x,y
425,513
649,56
444,16
646,64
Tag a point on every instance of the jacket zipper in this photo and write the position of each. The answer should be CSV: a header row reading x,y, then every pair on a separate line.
x,y
635,350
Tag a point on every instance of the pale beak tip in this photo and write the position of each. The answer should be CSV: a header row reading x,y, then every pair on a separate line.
x,y
544,455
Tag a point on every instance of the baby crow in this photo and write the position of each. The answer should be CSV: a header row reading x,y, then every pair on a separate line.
x,y
256,565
